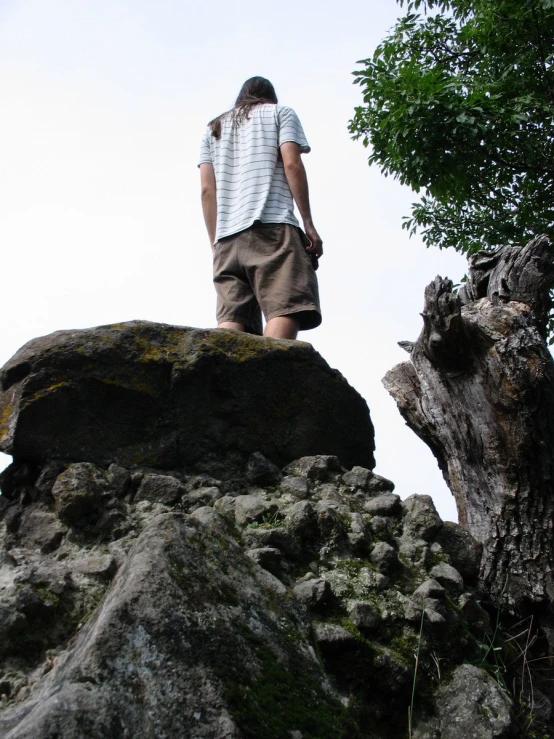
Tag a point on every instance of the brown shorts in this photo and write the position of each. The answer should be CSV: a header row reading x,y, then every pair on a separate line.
x,y
265,269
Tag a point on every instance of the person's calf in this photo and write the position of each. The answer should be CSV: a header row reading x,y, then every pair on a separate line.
x,y
282,327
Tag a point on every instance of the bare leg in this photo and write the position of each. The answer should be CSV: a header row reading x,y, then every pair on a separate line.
x,y
282,327
231,325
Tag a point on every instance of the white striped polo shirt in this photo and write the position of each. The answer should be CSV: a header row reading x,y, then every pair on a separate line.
x,y
250,177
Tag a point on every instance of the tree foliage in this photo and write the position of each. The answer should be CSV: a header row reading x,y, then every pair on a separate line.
x,y
459,105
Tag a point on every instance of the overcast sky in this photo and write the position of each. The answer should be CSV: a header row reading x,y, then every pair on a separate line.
x,y
103,104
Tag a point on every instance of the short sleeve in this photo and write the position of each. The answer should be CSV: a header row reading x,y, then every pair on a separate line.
x,y
205,151
290,129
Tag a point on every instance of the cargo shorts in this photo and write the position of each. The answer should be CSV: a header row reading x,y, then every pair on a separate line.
x,y
265,269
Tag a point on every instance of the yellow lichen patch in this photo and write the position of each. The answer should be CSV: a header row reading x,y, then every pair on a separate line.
x,y
48,390
241,346
5,414
149,352
139,385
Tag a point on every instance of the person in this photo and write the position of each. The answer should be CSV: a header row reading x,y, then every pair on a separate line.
x,y
251,172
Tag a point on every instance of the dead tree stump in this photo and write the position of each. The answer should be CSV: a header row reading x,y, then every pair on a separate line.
x,y
479,390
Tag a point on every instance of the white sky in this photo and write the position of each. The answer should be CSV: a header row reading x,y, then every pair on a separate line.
x,y
103,103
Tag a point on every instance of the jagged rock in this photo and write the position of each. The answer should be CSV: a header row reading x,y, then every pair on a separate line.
x,y
473,704
462,549
415,551
432,614
164,396
380,524
475,613
280,538
40,529
41,605
165,612
359,535
260,471
357,583
200,497
448,576
421,520
429,589
270,582
267,557
331,526
209,516
383,505
103,565
333,636
77,492
226,506
357,477
301,520
383,556
119,480
250,508
368,621
315,467
330,493
297,487
377,484
48,476
314,593
364,615
160,489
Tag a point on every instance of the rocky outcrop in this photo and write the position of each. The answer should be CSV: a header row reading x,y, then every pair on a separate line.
x,y
179,604
242,596
141,393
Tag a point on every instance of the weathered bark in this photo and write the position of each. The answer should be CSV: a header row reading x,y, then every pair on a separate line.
x,y
479,390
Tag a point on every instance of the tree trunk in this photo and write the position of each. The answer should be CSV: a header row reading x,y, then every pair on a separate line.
x,y
479,390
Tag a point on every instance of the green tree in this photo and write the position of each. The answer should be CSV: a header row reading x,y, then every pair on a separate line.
x,y
459,105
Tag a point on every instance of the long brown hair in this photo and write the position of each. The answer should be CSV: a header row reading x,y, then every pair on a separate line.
x,y
255,91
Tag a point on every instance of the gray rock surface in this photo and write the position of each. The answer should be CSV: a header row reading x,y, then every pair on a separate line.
x,y
160,489
473,705
383,556
429,589
261,471
313,593
364,615
255,572
167,396
421,520
463,550
383,505
448,576
165,638
251,508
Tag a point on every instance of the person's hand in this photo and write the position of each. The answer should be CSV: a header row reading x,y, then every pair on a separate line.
x,y
315,247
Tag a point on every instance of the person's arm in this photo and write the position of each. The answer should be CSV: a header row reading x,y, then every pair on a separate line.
x,y
298,183
209,198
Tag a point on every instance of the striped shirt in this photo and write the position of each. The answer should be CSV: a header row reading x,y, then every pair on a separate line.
x,y
250,177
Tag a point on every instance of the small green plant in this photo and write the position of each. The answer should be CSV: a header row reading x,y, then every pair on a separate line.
x,y
416,657
507,656
269,521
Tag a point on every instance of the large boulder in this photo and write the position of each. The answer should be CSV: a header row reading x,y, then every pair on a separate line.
x,y
142,393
